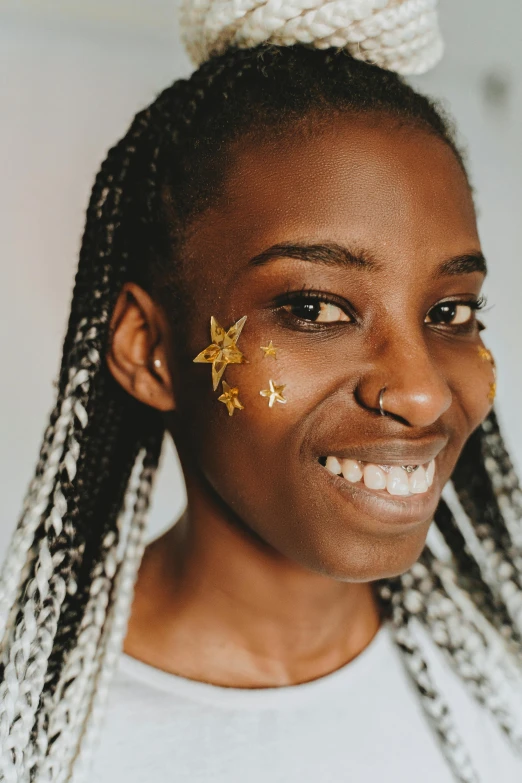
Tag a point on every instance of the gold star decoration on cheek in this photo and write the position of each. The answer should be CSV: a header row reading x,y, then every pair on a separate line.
x,y
223,349
230,398
274,393
270,350
487,356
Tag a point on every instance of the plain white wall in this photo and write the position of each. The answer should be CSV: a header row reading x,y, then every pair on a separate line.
x,y
72,77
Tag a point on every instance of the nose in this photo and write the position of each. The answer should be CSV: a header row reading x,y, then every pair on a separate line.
x,y
415,389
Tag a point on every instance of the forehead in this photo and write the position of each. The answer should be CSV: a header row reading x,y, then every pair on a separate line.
x,y
398,192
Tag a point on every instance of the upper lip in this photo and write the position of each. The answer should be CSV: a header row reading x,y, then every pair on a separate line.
x,y
392,452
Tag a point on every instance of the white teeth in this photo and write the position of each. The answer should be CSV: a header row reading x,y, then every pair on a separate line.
x,y
333,465
397,482
430,472
351,470
374,477
418,482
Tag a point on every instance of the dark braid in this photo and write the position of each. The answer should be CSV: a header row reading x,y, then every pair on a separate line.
x,y
167,170
500,561
470,578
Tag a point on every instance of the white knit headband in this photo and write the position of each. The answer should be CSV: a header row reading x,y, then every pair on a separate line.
x,y
400,35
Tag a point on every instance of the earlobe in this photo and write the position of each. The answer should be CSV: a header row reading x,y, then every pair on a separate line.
x,y
136,353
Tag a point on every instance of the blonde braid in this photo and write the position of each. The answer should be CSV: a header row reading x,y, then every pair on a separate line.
x,y
433,704
33,637
70,701
116,625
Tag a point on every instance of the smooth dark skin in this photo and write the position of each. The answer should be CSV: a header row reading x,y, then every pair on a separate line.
x,y
266,580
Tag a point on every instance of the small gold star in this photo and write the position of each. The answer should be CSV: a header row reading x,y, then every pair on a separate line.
x,y
274,393
230,398
223,349
270,350
485,354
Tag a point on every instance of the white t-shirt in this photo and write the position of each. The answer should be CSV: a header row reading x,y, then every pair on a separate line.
x,y
360,724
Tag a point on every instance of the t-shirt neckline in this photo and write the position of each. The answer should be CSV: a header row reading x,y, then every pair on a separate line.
x,y
260,698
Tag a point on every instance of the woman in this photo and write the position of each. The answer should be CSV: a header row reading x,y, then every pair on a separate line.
x,y
281,269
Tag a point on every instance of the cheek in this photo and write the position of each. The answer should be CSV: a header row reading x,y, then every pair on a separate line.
x,y
255,458
474,385
276,394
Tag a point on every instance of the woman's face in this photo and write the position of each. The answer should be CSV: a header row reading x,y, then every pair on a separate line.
x,y
375,289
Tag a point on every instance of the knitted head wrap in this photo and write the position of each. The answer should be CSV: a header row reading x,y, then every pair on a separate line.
x,y
400,35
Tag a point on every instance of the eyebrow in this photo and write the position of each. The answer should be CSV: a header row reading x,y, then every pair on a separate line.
x,y
464,265
333,254
328,253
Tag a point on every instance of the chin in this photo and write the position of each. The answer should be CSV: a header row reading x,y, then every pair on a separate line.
x,y
349,550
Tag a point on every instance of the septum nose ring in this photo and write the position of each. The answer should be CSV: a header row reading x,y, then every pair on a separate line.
x,y
381,395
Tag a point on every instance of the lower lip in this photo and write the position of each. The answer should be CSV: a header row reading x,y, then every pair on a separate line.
x,y
385,508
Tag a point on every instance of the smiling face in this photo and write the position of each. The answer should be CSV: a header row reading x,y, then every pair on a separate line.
x,y
354,250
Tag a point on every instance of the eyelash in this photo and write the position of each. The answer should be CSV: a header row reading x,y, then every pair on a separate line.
x,y
293,296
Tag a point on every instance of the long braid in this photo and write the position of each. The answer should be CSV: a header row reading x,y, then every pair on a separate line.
x,y
56,708
113,450
115,631
35,503
462,641
91,625
498,553
33,640
110,447
34,635
505,483
422,594
77,698
470,579
435,707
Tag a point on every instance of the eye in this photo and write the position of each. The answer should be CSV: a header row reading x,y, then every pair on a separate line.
x,y
315,310
451,313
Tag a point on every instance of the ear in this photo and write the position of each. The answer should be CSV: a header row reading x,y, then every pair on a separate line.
x,y
137,354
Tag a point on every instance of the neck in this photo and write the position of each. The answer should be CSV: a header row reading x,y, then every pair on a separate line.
x,y
216,604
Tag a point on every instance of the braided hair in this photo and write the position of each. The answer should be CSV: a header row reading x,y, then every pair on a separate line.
x,y
66,585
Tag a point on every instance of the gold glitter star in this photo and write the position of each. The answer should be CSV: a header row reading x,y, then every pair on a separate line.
x,y
485,354
223,349
274,393
270,350
230,398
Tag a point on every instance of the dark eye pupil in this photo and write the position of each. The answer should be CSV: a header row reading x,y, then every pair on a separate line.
x,y
443,313
308,311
